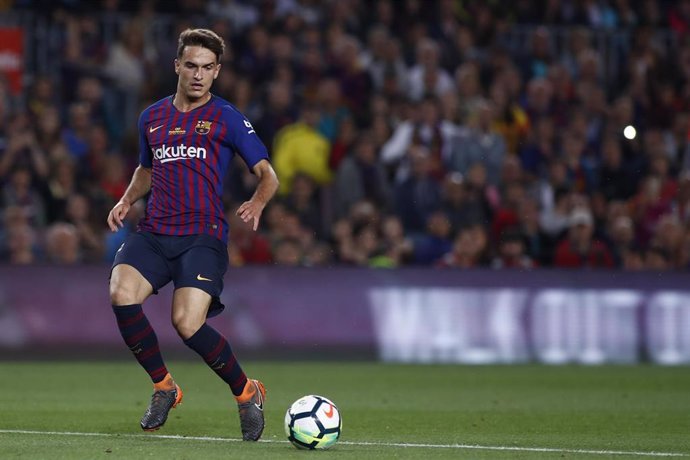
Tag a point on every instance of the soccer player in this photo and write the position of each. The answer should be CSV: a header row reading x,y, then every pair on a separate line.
x,y
186,143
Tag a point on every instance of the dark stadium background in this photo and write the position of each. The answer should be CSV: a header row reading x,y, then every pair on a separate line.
x,y
479,249
461,181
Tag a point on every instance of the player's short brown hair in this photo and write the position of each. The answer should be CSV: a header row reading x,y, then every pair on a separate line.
x,y
201,37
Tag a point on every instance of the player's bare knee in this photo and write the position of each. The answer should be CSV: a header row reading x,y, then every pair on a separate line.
x,y
185,326
123,293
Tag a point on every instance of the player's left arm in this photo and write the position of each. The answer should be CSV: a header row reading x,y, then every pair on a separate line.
x,y
266,188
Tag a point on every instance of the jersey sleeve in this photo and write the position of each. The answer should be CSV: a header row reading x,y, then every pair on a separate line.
x,y
145,157
243,139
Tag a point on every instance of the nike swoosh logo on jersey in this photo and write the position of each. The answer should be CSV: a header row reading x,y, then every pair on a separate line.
x,y
201,278
152,129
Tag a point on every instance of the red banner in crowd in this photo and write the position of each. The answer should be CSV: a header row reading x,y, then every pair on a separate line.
x,y
12,56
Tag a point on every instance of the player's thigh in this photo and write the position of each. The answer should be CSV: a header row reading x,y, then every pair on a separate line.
x,y
139,270
198,277
128,286
190,307
202,266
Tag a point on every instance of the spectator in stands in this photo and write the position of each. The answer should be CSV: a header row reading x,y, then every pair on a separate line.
x,y
318,254
76,134
668,237
13,245
344,142
469,90
479,144
299,147
510,120
114,240
22,151
579,40
353,77
425,128
341,239
78,213
396,248
647,207
304,201
511,251
507,214
62,244
112,179
245,246
365,245
418,195
541,146
361,176
616,180
61,184
99,149
579,248
538,244
243,97
458,205
48,132
621,235
469,249
427,77
333,111
18,191
41,96
384,61
423,74
581,172
279,112
539,54
436,241
128,63
21,245
289,227
655,258
539,101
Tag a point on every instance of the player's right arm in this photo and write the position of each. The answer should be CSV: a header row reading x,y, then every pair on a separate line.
x,y
140,183
138,187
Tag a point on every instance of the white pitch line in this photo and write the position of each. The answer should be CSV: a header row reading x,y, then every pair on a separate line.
x,y
359,443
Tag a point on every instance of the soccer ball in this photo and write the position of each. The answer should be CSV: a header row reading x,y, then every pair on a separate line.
x,y
313,422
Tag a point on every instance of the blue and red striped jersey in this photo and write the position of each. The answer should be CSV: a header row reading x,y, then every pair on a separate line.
x,y
189,154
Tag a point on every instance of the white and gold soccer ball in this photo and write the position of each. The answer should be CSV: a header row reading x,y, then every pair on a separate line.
x,y
313,422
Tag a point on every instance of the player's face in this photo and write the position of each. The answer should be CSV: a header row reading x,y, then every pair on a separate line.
x,y
196,68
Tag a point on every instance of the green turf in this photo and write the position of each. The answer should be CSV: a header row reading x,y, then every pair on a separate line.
x,y
636,409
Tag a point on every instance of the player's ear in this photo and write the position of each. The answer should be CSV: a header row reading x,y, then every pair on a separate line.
x,y
215,74
177,66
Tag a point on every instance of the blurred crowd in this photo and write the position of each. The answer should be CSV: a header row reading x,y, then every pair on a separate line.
x,y
443,133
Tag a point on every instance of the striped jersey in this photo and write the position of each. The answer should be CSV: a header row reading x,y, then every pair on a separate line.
x,y
189,154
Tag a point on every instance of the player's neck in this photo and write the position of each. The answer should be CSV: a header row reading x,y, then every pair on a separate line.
x,y
184,104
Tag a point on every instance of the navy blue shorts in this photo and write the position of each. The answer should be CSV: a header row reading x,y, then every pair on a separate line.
x,y
198,261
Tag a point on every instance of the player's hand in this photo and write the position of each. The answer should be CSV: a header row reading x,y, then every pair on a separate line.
x,y
116,215
251,210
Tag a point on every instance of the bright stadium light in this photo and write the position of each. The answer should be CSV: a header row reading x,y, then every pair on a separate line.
x,y
630,132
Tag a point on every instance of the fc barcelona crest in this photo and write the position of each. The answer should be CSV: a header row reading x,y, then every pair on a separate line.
x,y
202,127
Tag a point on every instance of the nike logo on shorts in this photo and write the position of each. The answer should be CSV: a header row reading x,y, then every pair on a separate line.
x,y
201,278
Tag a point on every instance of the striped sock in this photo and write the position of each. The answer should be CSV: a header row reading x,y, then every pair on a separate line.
x,y
141,339
216,351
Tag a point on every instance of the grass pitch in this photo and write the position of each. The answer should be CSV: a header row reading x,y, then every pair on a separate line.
x,y
91,410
